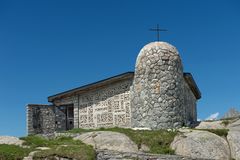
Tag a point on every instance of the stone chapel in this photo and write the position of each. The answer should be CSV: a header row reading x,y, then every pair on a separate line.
x,y
158,95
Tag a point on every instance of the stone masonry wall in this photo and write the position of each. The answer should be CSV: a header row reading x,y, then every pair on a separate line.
x,y
40,119
190,106
106,107
157,96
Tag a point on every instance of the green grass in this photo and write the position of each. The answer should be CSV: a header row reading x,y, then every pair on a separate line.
x,y
61,146
219,132
37,141
80,151
209,120
230,118
226,122
65,147
12,152
158,141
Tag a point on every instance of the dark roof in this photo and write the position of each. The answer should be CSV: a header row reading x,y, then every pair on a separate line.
x,y
33,105
126,75
192,84
187,76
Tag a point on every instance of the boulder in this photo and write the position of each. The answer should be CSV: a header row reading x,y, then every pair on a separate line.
x,y
201,144
10,140
30,156
114,155
108,140
234,143
144,148
43,148
235,126
211,125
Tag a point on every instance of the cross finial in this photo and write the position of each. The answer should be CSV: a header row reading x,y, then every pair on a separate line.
x,y
158,31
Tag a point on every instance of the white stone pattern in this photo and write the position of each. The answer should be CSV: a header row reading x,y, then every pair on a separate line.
x,y
157,95
106,107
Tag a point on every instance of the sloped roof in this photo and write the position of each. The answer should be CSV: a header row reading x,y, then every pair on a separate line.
x,y
192,84
123,76
127,75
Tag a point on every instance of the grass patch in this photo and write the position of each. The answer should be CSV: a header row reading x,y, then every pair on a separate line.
x,y
219,132
37,141
209,120
230,118
225,122
64,147
10,152
80,151
158,141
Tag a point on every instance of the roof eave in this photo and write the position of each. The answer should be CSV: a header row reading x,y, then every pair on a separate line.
x,y
87,87
192,84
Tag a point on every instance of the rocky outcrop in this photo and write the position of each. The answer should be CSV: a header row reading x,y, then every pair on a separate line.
x,y
30,156
211,125
201,144
235,126
108,140
11,140
234,139
234,143
189,144
231,124
113,155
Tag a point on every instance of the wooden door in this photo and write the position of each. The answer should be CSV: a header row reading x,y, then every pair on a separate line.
x,y
69,117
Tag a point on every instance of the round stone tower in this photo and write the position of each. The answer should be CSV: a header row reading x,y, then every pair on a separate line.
x,y
157,92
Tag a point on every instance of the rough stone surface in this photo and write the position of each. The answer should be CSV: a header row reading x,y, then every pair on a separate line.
x,y
159,96
11,140
144,148
30,156
43,148
211,125
113,155
108,140
201,144
233,138
235,126
40,119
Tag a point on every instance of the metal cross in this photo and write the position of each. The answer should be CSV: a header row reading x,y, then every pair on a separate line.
x,y
158,30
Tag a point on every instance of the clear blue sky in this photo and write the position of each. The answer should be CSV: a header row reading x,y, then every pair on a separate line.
x,y
49,46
